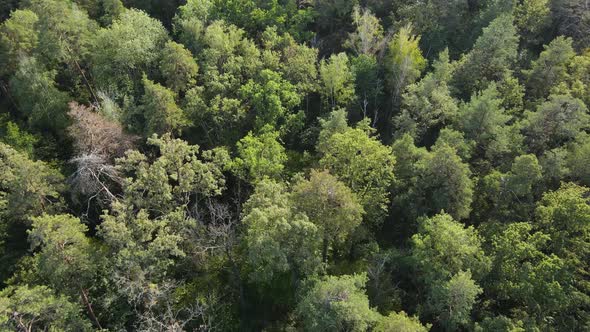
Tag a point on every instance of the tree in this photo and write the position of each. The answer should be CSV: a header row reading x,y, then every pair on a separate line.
x,y
38,97
336,304
330,205
400,322
428,105
572,19
18,38
576,161
484,121
564,215
336,80
260,156
28,187
172,177
444,183
368,38
443,248
178,67
525,276
368,85
278,239
159,108
273,101
363,164
404,63
65,258
551,68
452,301
37,308
555,122
511,195
98,141
493,54
125,50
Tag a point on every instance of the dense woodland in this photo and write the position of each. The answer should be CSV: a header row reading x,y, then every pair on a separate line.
x,y
295,165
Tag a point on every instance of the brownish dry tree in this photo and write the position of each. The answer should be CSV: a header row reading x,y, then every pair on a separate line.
x,y
98,141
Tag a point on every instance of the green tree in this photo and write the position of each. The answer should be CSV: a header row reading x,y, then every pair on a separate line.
x,y
511,195
336,81
404,63
65,257
125,50
484,121
453,300
428,105
37,308
18,38
178,67
577,164
443,248
362,163
492,56
525,276
551,68
368,85
159,108
28,188
330,205
278,239
400,322
273,100
336,304
367,39
444,183
260,156
34,89
555,122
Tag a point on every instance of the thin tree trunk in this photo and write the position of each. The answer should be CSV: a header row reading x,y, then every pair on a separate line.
x,y
86,301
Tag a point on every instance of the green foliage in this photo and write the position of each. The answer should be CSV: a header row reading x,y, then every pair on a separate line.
x,y
510,195
400,322
37,308
28,188
444,183
38,97
17,138
260,156
178,67
452,301
492,56
126,49
443,248
367,39
428,104
404,62
273,100
336,80
550,68
455,195
278,239
555,122
330,205
336,304
160,111
361,162
64,256
18,38
484,121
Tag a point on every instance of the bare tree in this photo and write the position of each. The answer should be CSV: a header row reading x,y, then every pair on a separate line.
x,y
98,142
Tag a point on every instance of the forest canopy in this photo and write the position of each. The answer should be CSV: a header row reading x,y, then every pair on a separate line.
x,y
294,165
